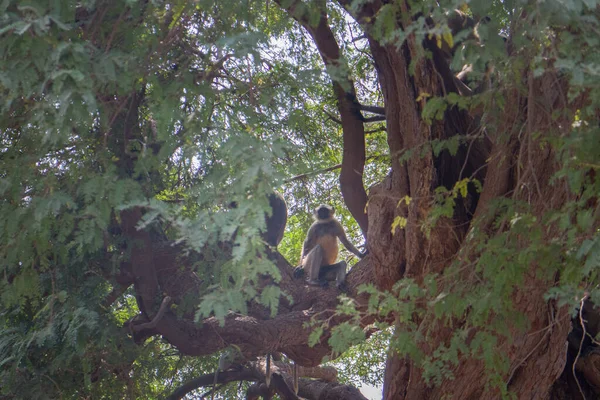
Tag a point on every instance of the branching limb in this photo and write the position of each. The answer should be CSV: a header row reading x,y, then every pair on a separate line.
x,y
315,389
152,324
114,295
281,381
333,117
245,374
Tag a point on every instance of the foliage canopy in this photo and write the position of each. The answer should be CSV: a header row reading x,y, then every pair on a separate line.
x,y
176,109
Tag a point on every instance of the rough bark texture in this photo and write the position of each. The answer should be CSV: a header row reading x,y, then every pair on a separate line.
x,y
256,334
537,355
161,272
512,165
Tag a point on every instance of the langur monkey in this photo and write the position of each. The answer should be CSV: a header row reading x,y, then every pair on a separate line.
x,y
226,359
276,356
275,222
321,247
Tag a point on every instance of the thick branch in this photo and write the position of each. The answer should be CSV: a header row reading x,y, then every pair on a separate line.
x,y
117,291
313,389
353,158
255,334
281,381
142,260
152,324
373,109
327,373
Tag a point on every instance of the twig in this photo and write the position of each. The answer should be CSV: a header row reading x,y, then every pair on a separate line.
x,y
580,346
306,175
380,129
114,31
333,118
333,168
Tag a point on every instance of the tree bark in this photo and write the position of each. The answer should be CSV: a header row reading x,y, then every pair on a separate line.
x,y
409,253
514,166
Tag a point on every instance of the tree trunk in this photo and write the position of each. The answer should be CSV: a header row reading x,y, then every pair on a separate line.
x,y
537,356
505,165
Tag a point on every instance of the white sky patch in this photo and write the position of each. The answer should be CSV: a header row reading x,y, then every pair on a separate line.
x,y
371,392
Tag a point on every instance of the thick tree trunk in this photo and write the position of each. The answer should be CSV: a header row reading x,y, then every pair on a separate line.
x,y
504,165
536,355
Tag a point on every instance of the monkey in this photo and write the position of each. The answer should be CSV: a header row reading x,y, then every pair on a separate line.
x,y
277,356
320,248
458,22
275,222
271,358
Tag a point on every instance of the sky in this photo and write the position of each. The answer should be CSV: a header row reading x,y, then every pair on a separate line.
x,y
371,392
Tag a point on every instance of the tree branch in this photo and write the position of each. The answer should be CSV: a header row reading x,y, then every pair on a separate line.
x,y
245,374
114,294
375,119
157,265
314,389
380,129
255,372
354,153
255,334
373,109
363,119
333,117
337,166
308,174
152,324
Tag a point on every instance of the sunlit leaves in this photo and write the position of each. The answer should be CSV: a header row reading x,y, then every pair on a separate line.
x,y
398,223
346,335
181,108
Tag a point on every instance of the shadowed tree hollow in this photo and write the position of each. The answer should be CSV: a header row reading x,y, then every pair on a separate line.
x,y
143,248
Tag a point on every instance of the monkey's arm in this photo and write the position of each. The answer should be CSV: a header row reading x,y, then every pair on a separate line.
x,y
342,236
309,242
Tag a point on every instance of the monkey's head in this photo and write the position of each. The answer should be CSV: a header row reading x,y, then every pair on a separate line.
x,y
324,213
